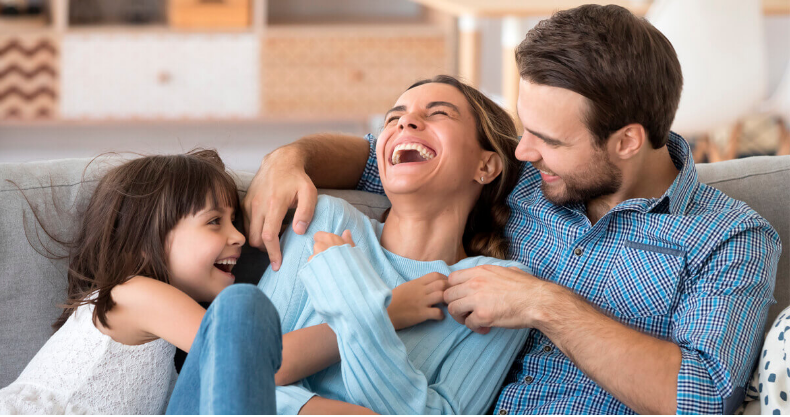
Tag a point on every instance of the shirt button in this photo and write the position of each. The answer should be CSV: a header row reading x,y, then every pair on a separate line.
x,y
502,411
547,348
578,251
528,379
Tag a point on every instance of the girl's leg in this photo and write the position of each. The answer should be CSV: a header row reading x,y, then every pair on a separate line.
x,y
231,364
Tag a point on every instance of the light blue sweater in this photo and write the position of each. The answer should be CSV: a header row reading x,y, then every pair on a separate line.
x,y
432,368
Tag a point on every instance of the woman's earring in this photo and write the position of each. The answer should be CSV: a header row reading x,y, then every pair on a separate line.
x,y
482,179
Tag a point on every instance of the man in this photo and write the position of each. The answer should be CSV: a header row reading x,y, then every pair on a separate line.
x,y
650,290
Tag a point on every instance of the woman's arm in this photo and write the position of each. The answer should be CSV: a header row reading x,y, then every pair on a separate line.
x,y
347,291
313,349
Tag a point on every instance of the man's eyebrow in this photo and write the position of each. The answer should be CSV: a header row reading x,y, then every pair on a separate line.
x,y
545,138
444,104
396,108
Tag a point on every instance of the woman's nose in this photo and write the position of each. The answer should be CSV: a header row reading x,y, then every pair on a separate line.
x,y
410,121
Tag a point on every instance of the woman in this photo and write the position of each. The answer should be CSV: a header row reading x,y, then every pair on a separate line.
x,y
446,162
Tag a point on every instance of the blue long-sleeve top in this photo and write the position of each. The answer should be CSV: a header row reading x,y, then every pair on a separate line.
x,y
436,367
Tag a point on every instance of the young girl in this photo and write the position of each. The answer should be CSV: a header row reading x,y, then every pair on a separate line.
x,y
156,239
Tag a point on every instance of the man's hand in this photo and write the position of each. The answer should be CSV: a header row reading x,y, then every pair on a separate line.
x,y
280,183
414,302
325,240
493,296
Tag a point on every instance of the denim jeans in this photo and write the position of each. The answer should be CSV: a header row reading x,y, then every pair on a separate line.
x,y
231,364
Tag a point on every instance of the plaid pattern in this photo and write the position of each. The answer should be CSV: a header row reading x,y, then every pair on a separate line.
x,y
694,266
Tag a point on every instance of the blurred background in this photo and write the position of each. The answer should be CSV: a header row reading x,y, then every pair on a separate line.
x,y
82,77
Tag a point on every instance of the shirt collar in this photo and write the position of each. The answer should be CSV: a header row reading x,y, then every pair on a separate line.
x,y
682,189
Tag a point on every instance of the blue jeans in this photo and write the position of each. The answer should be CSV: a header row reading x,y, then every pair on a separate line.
x,y
231,364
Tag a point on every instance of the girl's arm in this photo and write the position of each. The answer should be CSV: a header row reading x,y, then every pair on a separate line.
x,y
320,405
313,349
147,309
347,291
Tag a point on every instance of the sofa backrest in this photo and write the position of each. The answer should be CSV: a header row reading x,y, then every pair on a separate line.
x,y
33,285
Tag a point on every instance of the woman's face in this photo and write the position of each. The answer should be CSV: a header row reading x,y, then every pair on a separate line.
x,y
429,143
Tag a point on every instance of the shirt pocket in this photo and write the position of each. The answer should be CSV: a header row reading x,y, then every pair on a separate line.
x,y
644,281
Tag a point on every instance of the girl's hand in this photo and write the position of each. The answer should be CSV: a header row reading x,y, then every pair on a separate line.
x,y
325,240
414,302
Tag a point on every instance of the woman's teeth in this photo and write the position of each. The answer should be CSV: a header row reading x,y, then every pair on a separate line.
x,y
400,153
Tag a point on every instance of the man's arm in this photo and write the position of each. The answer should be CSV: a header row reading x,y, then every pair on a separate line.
x,y
716,328
637,369
289,176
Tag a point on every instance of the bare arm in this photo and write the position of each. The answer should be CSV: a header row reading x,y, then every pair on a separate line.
x,y
637,369
320,405
288,178
313,349
147,309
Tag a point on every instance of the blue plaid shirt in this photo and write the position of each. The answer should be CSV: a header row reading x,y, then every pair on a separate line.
x,y
694,267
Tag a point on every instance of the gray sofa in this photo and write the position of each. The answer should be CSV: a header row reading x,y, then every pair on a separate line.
x,y
32,285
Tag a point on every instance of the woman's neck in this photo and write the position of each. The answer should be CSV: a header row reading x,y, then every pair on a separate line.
x,y
422,232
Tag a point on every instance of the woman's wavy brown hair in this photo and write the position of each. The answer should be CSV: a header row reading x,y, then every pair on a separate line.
x,y
127,220
485,228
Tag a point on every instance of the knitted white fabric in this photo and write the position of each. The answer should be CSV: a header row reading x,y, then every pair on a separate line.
x,y
83,371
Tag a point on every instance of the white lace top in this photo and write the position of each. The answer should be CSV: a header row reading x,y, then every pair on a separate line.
x,y
83,371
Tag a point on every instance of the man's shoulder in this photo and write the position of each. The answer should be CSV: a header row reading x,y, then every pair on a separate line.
x,y
723,212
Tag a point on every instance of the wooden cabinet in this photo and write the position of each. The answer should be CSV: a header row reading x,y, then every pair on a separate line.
x,y
209,14
160,76
345,72
29,77
329,68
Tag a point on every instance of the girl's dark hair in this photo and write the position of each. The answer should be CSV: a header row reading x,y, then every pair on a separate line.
x,y
127,220
485,228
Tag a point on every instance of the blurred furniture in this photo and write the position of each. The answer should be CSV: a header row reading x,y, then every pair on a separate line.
x,y
29,68
469,12
215,60
209,14
721,48
779,105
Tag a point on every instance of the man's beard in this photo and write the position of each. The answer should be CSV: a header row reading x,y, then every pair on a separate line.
x,y
596,181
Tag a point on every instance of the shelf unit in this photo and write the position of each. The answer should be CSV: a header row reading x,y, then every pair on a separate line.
x,y
287,69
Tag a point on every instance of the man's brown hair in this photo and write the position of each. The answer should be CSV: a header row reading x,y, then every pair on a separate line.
x,y
627,69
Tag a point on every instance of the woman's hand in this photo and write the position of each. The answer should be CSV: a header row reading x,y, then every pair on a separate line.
x,y
414,302
325,240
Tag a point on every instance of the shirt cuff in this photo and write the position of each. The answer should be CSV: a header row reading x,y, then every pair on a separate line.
x,y
697,392
370,180
291,399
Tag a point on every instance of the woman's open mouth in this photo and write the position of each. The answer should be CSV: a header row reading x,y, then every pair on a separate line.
x,y
411,152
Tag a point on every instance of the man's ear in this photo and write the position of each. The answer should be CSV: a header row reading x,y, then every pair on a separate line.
x,y
629,140
490,167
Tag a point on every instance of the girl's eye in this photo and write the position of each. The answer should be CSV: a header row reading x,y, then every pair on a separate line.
x,y
438,112
392,119
214,221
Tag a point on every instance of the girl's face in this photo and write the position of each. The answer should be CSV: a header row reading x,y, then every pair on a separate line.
x,y
429,143
201,251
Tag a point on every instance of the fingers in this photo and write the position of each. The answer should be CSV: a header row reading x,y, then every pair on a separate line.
x,y
269,234
438,285
307,198
476,325
347,237
434,298
434,313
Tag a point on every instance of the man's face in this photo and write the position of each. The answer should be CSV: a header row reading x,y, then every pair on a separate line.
x,y
556,141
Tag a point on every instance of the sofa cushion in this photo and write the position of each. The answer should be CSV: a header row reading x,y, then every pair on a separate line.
x,y
32,286
762,182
